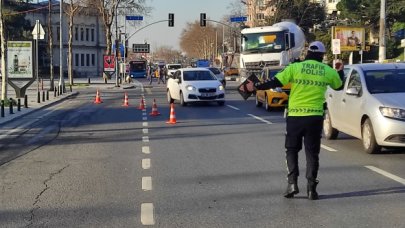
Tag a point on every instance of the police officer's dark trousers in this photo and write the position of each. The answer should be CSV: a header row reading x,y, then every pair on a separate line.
x,y
309,129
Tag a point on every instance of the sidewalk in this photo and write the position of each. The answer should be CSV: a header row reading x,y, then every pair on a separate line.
x,y
32,93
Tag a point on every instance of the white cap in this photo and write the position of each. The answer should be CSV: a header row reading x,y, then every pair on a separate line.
x,y
317,46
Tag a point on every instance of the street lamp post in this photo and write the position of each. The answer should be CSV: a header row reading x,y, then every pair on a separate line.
x,y
382,50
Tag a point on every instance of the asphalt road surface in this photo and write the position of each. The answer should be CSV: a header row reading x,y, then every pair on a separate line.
x,y
79,164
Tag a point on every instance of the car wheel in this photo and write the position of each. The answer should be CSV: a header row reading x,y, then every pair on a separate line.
x,y
369,143
182,102
169,97
258,103
328,130
221,103
266,103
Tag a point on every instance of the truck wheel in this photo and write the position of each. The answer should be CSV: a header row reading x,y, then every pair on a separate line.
x,y
368,138
328,130
169,97
258,103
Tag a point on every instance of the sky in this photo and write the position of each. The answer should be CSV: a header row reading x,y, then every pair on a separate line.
x,y
184,11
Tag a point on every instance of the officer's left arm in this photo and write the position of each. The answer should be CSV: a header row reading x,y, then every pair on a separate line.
x,y
281,78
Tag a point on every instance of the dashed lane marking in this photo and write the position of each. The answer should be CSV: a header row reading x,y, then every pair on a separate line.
x,y
144,118
145,138
146,163
147,183
145,124
233,107
328,148
260,119
147,211
386,174
146,150
145,130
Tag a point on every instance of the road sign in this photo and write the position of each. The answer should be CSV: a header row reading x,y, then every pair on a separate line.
x,y
134,18
109,63
38,32
140,48
336,46
238,19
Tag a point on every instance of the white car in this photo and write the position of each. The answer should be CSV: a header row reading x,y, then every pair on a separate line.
x,y
172,67
195,85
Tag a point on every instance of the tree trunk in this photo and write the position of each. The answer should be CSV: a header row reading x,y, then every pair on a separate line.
x,y
70,54
3,57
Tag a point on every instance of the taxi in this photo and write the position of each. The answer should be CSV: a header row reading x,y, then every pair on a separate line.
x,y
272,98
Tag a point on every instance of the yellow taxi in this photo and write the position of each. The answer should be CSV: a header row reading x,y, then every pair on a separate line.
x,y
272,98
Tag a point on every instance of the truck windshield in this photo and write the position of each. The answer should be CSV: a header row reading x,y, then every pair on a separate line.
x,y
267,42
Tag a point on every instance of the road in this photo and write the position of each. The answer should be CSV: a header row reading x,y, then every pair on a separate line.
x,y
79,164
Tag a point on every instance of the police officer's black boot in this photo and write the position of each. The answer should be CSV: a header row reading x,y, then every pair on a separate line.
x,y
292,189
311,190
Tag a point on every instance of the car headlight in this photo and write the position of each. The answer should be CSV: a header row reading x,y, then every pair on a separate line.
x,y
277,89
221,88
395,113
191,88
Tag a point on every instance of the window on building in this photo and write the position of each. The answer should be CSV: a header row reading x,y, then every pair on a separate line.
x,y
260,16
87,34
81,34
87,59
58,33
76,59
92,34
93,59
82,60
76,33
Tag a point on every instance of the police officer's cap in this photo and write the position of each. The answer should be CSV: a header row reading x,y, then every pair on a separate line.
x,y
317,46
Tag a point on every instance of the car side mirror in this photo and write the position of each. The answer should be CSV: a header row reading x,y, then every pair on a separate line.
x,y
177,80
353,91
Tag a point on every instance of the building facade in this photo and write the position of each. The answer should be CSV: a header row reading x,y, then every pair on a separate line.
x,y
88,43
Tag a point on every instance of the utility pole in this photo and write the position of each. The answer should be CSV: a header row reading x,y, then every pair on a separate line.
x,y
3,56
381,50
61,79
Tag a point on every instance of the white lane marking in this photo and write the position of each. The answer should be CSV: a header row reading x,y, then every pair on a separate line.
x,y
146,150
386,174
261,119
147,217
145,138
147,183
145,130
146,163
144,113
145,124
144,118
233,107
328,148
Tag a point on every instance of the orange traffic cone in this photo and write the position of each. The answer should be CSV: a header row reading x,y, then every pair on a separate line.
x,y
98,99
172,119
141,104
126,104
154,109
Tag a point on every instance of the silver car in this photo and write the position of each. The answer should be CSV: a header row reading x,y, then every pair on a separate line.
x,y
370,107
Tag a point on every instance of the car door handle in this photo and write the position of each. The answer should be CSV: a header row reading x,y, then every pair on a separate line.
x,y
344,100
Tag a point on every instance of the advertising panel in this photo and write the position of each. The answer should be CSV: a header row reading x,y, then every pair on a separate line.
x,y
351,38
19,59
109,63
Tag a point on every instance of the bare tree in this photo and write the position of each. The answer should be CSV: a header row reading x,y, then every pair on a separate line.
x,y
71,10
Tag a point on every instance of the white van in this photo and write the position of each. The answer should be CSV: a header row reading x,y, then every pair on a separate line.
x,y
172,67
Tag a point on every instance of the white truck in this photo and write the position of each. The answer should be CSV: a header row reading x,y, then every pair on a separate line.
x,y
276,45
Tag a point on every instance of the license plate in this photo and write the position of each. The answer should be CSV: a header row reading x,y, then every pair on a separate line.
x,y
207,94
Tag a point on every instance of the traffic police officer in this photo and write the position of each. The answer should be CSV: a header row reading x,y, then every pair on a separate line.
x,y
309,80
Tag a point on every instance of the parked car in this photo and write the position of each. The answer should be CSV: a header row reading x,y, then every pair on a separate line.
x,y
195,85
272,98
370,107
219,74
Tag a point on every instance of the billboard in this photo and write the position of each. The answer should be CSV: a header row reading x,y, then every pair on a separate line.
x,y
19,59
351,38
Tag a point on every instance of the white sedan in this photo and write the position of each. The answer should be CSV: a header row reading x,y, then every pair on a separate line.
x,y
195,85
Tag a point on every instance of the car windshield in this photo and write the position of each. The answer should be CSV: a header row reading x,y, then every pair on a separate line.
x,y
214,70
200,75
385,81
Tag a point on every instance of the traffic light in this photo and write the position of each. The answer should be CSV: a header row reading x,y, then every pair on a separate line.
x,y
171,19
203,19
